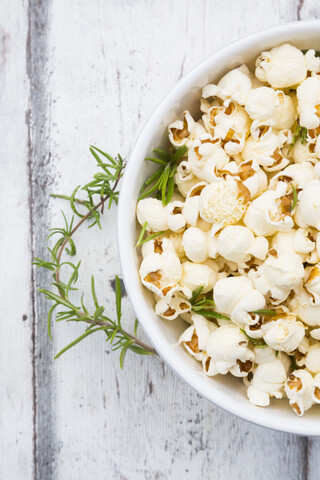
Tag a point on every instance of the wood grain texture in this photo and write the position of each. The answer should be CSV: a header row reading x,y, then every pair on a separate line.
x,y
16,398
93,73
40,187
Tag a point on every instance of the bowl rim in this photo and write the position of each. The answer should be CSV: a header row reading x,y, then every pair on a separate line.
x,y
127,258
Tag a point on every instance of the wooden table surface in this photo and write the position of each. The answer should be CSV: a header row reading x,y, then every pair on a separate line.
x,y
75,73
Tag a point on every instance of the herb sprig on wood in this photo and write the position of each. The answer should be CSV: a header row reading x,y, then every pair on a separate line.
x,y
104,186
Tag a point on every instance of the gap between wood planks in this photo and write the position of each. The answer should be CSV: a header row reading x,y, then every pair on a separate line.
x,y
38,162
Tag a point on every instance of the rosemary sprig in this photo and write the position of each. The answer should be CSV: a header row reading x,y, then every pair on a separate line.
x,y
97,321
104,184
162,180
257,342
142,240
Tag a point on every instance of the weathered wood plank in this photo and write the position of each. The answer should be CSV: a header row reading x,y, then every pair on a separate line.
x,y
40,181
16,399
107,69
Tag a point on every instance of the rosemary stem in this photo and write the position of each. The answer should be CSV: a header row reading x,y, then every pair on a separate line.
x,y
63,245
65,197
136,340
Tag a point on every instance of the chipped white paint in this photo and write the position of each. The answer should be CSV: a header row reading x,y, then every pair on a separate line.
x,y
96,71
16,378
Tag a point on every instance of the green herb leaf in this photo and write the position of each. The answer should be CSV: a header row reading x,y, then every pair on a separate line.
x,y
143,231
162,180
118,299
195,294
295,198
269,313
294,365
211,314
78,340
136,323
142,240
300,132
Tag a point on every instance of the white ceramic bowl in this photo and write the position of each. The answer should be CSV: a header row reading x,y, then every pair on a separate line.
x,y
225,391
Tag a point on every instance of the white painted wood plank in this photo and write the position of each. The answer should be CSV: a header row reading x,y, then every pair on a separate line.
x,y
109,67
308,10
16,378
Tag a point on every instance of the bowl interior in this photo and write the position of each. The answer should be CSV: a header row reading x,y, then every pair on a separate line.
x,y
226,391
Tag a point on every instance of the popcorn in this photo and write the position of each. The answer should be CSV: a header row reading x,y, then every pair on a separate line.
x,y
268,380
284,334
302,152
152,211
244,223
184,178
271,107
278,275
204,158
299,389
266,151
312,283
195,338
264,355
238,244
298,174
175,218
235,85
192,204
184,132
194,242
300,241
195,275
237,297
308,94
312,62
315,333
270,212
223,202
229,125
172,307
281,67
313,359
161,273
176,240
158,245
228,350
308,208
302,304
315,392
249,174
